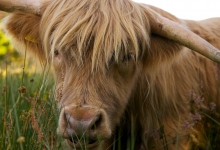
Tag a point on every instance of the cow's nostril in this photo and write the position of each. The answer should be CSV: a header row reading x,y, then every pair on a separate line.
x,y
72,140
97,121
92,142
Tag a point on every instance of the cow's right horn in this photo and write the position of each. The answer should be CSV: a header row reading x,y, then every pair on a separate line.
x,y
180,34
30,6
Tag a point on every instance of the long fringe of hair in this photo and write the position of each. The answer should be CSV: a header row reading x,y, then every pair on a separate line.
x,y
106,26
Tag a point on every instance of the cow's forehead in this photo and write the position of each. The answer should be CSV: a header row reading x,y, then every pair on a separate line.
x,y
94,25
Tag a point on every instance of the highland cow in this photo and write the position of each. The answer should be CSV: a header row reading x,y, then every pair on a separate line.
x,y
128,75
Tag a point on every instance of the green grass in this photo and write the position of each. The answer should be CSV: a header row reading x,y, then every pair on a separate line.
x,y
29,116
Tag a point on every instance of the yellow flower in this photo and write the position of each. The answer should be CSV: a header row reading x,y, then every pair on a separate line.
x,y
21,139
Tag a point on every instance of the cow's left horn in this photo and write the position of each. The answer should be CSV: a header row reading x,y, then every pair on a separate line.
x,y
180,34
30,6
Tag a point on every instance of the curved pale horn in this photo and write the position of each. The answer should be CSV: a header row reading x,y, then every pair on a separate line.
x,y
178,33
30,6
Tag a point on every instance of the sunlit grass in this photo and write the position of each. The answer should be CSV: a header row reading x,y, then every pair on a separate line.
x,y
28,111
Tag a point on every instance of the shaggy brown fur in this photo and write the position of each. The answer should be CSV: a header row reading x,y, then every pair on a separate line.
x,y
106,58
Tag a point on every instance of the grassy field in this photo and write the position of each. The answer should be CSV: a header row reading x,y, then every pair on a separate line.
x,y
28,110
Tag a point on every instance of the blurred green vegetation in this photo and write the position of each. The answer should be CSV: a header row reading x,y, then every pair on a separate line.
x,y
28,110
4,44
6,50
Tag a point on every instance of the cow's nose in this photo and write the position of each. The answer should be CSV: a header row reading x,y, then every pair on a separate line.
x,y
83,126
81,123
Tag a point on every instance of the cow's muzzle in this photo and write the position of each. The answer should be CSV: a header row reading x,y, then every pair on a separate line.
x,y
84,126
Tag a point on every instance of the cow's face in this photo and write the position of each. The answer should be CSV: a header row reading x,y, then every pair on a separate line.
x,y
97,62
92,103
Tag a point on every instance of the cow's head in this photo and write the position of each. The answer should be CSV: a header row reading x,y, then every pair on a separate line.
x,y
98,49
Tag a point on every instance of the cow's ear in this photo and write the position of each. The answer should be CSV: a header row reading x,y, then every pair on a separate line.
x,y
162,49
23,29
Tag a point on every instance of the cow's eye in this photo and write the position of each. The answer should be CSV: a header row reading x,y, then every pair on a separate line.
x,y
56,52
127,57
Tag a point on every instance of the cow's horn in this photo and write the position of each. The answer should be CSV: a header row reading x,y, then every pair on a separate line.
x,y
30,6
180,34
